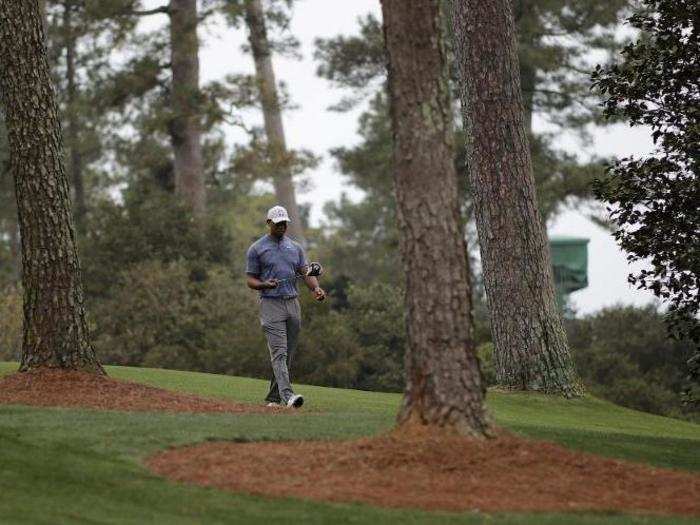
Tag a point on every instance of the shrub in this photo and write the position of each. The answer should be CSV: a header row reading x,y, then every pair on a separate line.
x,y
624,355
161,317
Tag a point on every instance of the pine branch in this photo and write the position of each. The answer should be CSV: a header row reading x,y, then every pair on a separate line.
x,y
158,10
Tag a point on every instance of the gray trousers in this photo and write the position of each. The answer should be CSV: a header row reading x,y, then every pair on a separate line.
x,y
281,322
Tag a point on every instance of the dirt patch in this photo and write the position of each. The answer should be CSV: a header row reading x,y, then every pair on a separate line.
x,y
436,473
62,388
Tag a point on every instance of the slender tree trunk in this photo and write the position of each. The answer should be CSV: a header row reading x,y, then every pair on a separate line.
x,y
272,115
15,252
55,331
530,343
528,73
444,386
76,161
185,128
528,81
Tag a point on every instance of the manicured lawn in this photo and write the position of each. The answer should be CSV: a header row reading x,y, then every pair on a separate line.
x,y
81,466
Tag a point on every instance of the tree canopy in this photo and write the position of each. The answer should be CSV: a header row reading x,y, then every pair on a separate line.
x,y
654,199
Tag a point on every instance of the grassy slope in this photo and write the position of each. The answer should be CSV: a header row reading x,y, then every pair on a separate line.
x,y
70,465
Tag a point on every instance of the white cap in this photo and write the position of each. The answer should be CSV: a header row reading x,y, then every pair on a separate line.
x,y
277,214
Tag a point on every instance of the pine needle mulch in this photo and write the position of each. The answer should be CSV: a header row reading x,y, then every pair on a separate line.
x,y
436,472
74,389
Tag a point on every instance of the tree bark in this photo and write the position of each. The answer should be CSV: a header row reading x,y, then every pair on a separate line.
x,y
76,161
55,332
444,386
531,349
272,115
44,17
185,127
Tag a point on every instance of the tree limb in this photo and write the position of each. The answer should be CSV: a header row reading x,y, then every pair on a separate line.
x,y
162,9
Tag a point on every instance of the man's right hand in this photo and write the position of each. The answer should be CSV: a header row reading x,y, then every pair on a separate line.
x,y
270,283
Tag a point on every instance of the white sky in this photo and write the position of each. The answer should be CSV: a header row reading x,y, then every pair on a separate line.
x,y
313,127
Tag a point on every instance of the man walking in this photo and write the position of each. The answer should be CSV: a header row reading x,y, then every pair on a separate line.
x,y
273,264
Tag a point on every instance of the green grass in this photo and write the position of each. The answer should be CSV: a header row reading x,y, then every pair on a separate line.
x,y
82,466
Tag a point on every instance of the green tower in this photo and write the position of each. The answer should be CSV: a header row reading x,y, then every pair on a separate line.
x,y
570,264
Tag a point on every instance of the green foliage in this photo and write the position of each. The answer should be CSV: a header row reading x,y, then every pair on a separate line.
x,y
357,344
376,314
355,62
488,367
162,289
361,240
624,354
151,226
161,317
653,200
554,84
556,39
89,34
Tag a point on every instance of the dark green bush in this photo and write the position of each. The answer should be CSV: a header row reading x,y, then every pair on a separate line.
x,y
164,318
624,355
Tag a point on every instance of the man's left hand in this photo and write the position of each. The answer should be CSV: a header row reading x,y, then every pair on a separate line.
x,y
319,294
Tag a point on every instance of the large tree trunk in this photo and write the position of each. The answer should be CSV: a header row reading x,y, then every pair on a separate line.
x,y
444,386
272,115
185,127
55,331
530,343
76,161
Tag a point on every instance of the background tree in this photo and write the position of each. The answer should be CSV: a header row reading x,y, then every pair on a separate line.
x,y
9,229
555,39
185,125
80,38
272,113
157,109
653,200
530,343
443,381
55,331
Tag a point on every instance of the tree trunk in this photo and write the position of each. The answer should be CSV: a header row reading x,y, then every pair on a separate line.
x,y
76,161
55,331
185,127
15,252
530,343
272,115
444,386
44,17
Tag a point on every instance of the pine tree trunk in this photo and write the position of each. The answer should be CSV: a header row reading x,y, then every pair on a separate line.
x,y
444,386
44,17
76,161
272,115
55,331
531,349
185,127
15,252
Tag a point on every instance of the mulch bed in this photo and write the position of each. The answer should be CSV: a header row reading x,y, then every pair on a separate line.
x,y
62,388
436,472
